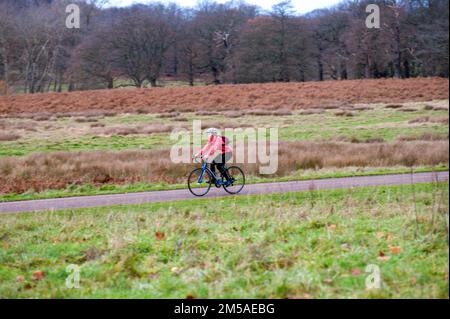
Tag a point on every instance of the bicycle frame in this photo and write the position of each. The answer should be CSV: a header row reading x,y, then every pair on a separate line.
x,y
206,168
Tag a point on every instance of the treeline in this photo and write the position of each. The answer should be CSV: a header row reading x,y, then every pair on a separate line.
x,y
217,43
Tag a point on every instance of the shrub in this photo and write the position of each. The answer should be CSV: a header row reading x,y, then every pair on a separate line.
x,y
394,106
42,171
344,113
6,137
168,115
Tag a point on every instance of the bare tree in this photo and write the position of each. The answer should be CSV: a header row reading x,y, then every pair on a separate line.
x,y
219,43
143,36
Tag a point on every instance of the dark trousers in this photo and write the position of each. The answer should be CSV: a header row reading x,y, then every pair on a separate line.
x,y
220,161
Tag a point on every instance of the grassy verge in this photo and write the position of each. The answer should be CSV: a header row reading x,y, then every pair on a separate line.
x,y
297,245
377,122
91,190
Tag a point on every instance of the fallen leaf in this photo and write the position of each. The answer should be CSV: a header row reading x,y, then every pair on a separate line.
x,y
380,234
395,249
20,278
390,237
332,227
38,275
160,235
382,256
356,272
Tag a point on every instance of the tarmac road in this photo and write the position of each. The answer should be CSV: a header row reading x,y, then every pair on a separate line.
x,y
180,194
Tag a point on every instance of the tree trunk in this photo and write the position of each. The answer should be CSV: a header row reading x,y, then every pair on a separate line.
x,y
215,74
110,82
191,73
320,67
60,80
5,68
406,67
398,53
367,68
343,71
71,86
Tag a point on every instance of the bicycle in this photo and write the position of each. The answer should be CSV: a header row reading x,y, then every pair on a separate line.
x,y
201,179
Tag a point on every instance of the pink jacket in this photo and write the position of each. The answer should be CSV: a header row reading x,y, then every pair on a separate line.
x,y
215,144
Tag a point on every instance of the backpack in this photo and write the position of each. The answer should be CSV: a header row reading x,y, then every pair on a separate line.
x,y
225,140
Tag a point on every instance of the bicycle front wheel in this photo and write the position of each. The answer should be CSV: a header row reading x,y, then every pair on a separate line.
x,y
199,188
238,178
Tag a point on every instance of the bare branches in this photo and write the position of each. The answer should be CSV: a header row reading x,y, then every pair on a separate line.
x,y
216,43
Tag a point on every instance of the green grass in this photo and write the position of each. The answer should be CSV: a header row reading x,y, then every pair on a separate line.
x,y
380,123
160,83
90,190
314,244
85,143
123,83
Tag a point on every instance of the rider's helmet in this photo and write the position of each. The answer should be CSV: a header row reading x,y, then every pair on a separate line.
x,y
212,131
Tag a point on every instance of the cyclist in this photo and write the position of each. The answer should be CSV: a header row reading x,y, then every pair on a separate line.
x,y
216,152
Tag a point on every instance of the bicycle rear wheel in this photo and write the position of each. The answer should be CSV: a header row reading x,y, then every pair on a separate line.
x,y
238,180
196,188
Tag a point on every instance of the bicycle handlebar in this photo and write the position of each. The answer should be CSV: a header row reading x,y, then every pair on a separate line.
x,y
196,159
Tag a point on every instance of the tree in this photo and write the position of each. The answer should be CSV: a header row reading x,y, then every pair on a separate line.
x,y
217,28
143,36
219,43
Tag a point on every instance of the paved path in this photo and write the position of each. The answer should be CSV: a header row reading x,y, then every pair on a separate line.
x,y
171,195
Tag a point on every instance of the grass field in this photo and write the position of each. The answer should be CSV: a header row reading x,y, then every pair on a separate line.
x,y
91,131
106,152
315,244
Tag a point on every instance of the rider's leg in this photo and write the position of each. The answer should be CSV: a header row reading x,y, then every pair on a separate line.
x,y
221,166
217,161
212,167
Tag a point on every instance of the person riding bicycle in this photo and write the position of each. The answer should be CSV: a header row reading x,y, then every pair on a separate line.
x,y
216,152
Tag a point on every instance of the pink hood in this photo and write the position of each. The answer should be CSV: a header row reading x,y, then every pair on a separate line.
x,y
214,144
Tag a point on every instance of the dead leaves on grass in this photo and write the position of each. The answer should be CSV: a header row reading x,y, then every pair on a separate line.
x,y
38,275
356,272
383,257
160,235
395,249
20,278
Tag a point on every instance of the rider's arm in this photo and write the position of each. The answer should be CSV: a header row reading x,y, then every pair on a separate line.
x,y
214,146
204,150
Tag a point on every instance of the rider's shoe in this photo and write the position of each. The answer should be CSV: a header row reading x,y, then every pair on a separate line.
x,y
215,182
